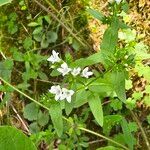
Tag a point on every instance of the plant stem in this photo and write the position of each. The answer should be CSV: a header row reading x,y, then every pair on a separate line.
x,y
43,106
59,21
33,100
104,137
142,130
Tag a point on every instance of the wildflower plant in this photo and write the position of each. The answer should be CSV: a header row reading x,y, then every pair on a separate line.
x,y
96,85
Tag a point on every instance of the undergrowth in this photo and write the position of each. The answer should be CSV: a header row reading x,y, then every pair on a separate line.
x,y
59,91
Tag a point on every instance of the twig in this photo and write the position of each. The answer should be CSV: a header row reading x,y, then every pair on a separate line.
x,y
24,125
96,141
142,130
63,25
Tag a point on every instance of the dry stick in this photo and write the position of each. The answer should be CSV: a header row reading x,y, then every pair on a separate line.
x,y
142,130
67,28
81,128
21,120
54,9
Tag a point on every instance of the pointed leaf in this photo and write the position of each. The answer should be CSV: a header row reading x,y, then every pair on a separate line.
x,y
3,2
96,108
96,14
118,81
56,117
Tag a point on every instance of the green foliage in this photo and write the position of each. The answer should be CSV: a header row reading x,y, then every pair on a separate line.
x,y
6,67
109,148
100,96
96,15
116,104
110,121
56,116
15,139
31,111
110,38
128,137
4,2
118,81
42,32
96,108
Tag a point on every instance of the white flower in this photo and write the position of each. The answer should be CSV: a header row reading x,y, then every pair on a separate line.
x,y
64,69
86,73
76,71
118,1
57,91
66,94
54,57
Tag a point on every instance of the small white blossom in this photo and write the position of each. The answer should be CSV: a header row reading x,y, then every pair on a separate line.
x,y
54,57
118,1
57,91
86,73
67,94
76,71
64,69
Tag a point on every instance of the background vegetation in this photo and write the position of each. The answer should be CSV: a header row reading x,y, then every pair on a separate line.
x,y
110,109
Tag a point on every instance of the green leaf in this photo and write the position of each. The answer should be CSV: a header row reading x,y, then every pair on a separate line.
x,y
18,56
56,117
76,45
54,73
34,128
37,30
3,2
6,67
42,119
38,37
91,60
148,119
116,104
30,111
96,14
68,107
47,18
81,97
109,148
118,81
44,42
33,24
42,75
12,27
27,44
96,108
51,37
100,88
110,37
133,126
128,137
109,122
13,139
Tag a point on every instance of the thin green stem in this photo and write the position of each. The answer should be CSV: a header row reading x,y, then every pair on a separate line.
x,y
43,106
104,137
33,100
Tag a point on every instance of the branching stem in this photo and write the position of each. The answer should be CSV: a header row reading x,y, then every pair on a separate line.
x,y
43,106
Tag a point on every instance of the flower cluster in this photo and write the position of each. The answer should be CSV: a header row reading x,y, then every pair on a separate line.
x,y
61,94
64,69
